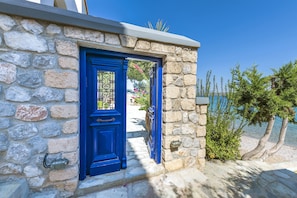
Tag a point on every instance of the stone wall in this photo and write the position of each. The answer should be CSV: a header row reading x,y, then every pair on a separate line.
x,y
39,99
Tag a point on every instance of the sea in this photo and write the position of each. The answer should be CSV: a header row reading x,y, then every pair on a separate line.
x,y
257,131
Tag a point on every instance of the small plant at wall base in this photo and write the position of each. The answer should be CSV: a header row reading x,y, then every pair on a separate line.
x,y
224,127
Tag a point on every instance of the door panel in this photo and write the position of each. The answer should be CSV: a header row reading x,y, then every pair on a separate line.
x,y
105,115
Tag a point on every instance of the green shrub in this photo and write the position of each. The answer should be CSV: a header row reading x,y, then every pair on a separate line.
x,y
224,127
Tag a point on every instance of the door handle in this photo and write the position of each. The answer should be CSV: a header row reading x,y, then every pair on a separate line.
x,y
108,120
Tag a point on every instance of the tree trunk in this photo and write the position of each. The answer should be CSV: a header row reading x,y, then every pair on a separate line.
x,y
262,142
281,140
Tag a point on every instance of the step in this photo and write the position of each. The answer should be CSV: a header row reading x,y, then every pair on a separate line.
x,y
14,189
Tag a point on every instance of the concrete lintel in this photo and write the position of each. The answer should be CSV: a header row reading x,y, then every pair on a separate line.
x,y
66,17
202,100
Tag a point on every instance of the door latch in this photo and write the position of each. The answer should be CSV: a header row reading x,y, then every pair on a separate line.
x,y
108,120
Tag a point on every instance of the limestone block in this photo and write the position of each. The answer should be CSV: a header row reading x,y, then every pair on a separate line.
x,y
179,82
18,153
32,171
203,109
65,174
49,129
67,79
187,141
10,168
188,104
167,128
185,117
44,61
94,36
74,32
202,142
173,165
35,182
143,45
22,131
17,94
53,29
178,50
37,144
176,104
128,41
188,129
159,47
46,94
172,116
71,185
190,79
71,95
194,152
183,152
167,155
112,39
7,72
191,92
6,22
67,48
72,157
201,131
32,79
32,26
64,144
21,59
190,68
172,68
31,113
4,123
193,117
168,139
70,126
68,63
201,153
3,142
201,163
6,109
202,119
64,111
25,41
189,55
196,143
171,92
190,161
167,104
168,79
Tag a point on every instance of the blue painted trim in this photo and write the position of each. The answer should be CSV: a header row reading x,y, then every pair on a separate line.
x,y
83,119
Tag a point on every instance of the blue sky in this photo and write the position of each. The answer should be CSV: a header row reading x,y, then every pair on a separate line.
x,y
231,32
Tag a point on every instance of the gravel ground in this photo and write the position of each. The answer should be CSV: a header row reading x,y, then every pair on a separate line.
x,y
285,154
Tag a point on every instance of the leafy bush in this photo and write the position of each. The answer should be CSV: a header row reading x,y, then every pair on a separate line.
x,y
224,126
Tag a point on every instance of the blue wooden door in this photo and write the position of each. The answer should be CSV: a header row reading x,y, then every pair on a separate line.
x,y
106,99
155,112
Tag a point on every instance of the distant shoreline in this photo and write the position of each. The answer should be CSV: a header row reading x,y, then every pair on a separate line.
x,y
285,154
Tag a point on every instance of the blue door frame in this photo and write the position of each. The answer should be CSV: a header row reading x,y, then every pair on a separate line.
x,y
85,157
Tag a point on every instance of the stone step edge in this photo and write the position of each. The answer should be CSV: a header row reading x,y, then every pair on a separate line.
x,y
14,189
112,184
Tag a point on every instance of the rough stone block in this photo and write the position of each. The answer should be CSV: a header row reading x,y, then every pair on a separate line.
x,y
189,55
32,26
68,63
112,39
65,174
172,68
25,41
173,165
201,153
70,126
171,92
190,79
201,131
65,144
190,68
7,72
202,119
172,116
67,48
6,22
18,153
71,95
3,142
143,45
31,113
191,92
46,94
21,59
64,111
17,94
50,129
6,109
203,109
44,61
128,41
53,29
10,168
158,47
22,131
32,79
188,104
67,79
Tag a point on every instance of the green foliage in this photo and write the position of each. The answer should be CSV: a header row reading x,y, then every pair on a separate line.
x,y
257,98
224,126
160,25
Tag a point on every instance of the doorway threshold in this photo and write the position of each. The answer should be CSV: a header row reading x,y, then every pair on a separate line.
x,y
139,166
